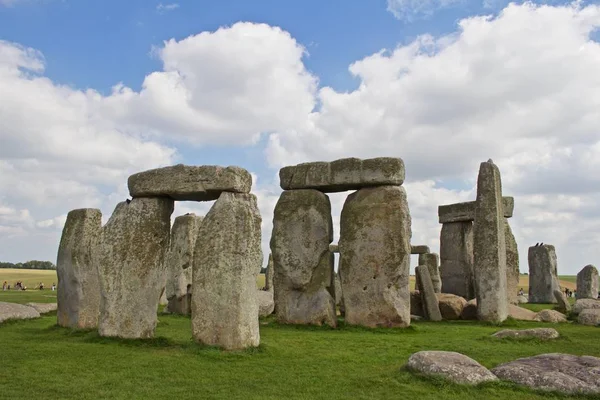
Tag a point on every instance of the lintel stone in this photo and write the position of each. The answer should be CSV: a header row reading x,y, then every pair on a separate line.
x,y
192,183
419,249
344,174
463,212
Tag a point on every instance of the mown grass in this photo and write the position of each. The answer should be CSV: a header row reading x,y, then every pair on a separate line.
x,y
42,361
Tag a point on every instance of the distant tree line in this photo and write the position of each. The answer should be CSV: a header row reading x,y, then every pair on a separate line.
x,y
33,264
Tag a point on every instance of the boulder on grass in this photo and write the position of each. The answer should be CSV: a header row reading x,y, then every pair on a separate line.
x,y
266,305
550,316
451,305
16,311
43,308
589,316
563,373
539,333
522,314
453,366
583,304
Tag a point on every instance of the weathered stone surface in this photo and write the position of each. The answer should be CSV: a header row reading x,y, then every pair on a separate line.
x,y
428,297
587,283
334,248
344,174
266,305
543,277
512,264
179,261
551,316
563,303
522,299
489,246
302,232
451,305
131,265
44,308
419,249
432,261
78,294
539,333
584,304
589,316
465,212
456,259
416,304
186,182
453,366
227,260
10,311
269,274
564,373
375,257
338,290
522,314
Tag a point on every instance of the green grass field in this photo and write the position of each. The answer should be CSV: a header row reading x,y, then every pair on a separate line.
x,y
42,361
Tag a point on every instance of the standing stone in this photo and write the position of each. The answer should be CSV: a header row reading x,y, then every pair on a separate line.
x,y
304,275
512,265
179,260
269,274
78,293
131,263
227,260
428,297
456,259
432,261
489,246
375,232
543,276
587,283
563,303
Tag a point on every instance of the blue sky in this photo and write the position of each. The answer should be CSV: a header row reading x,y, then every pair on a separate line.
x,y
453,89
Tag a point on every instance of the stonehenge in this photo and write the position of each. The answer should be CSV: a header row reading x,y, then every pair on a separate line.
x,y
303,265
227,259
489,246
179,261
131,265
587,283
131,259
374,243
543,275
78,295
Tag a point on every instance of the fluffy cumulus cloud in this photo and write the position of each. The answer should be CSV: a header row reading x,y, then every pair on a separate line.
x,y
519,87
408,10
64,148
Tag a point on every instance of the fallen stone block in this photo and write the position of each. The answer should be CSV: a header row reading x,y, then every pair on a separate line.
x,y
453,366
9,311
538,333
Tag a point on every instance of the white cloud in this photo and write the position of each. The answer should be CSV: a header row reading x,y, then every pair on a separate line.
x,y
166,7
519,88
408,10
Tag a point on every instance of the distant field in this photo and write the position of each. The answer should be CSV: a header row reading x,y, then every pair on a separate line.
x,y
30,277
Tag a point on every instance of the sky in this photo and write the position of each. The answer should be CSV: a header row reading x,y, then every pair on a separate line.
x,y
91,92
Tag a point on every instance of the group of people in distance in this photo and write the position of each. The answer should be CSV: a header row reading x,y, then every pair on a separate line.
x,y
21,286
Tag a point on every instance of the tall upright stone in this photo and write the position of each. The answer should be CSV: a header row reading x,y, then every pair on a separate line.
x,y
131,264
431,305
543,274
587,283
269,274
375,233
78,293
489,246
512,264
456,259
432,261
227,260
303,265
179,260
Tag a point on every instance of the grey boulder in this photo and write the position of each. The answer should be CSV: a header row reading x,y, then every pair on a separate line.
x,y
453,366
539,333
16,311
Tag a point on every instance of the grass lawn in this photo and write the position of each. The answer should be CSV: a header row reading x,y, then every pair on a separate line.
x,y
42,361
